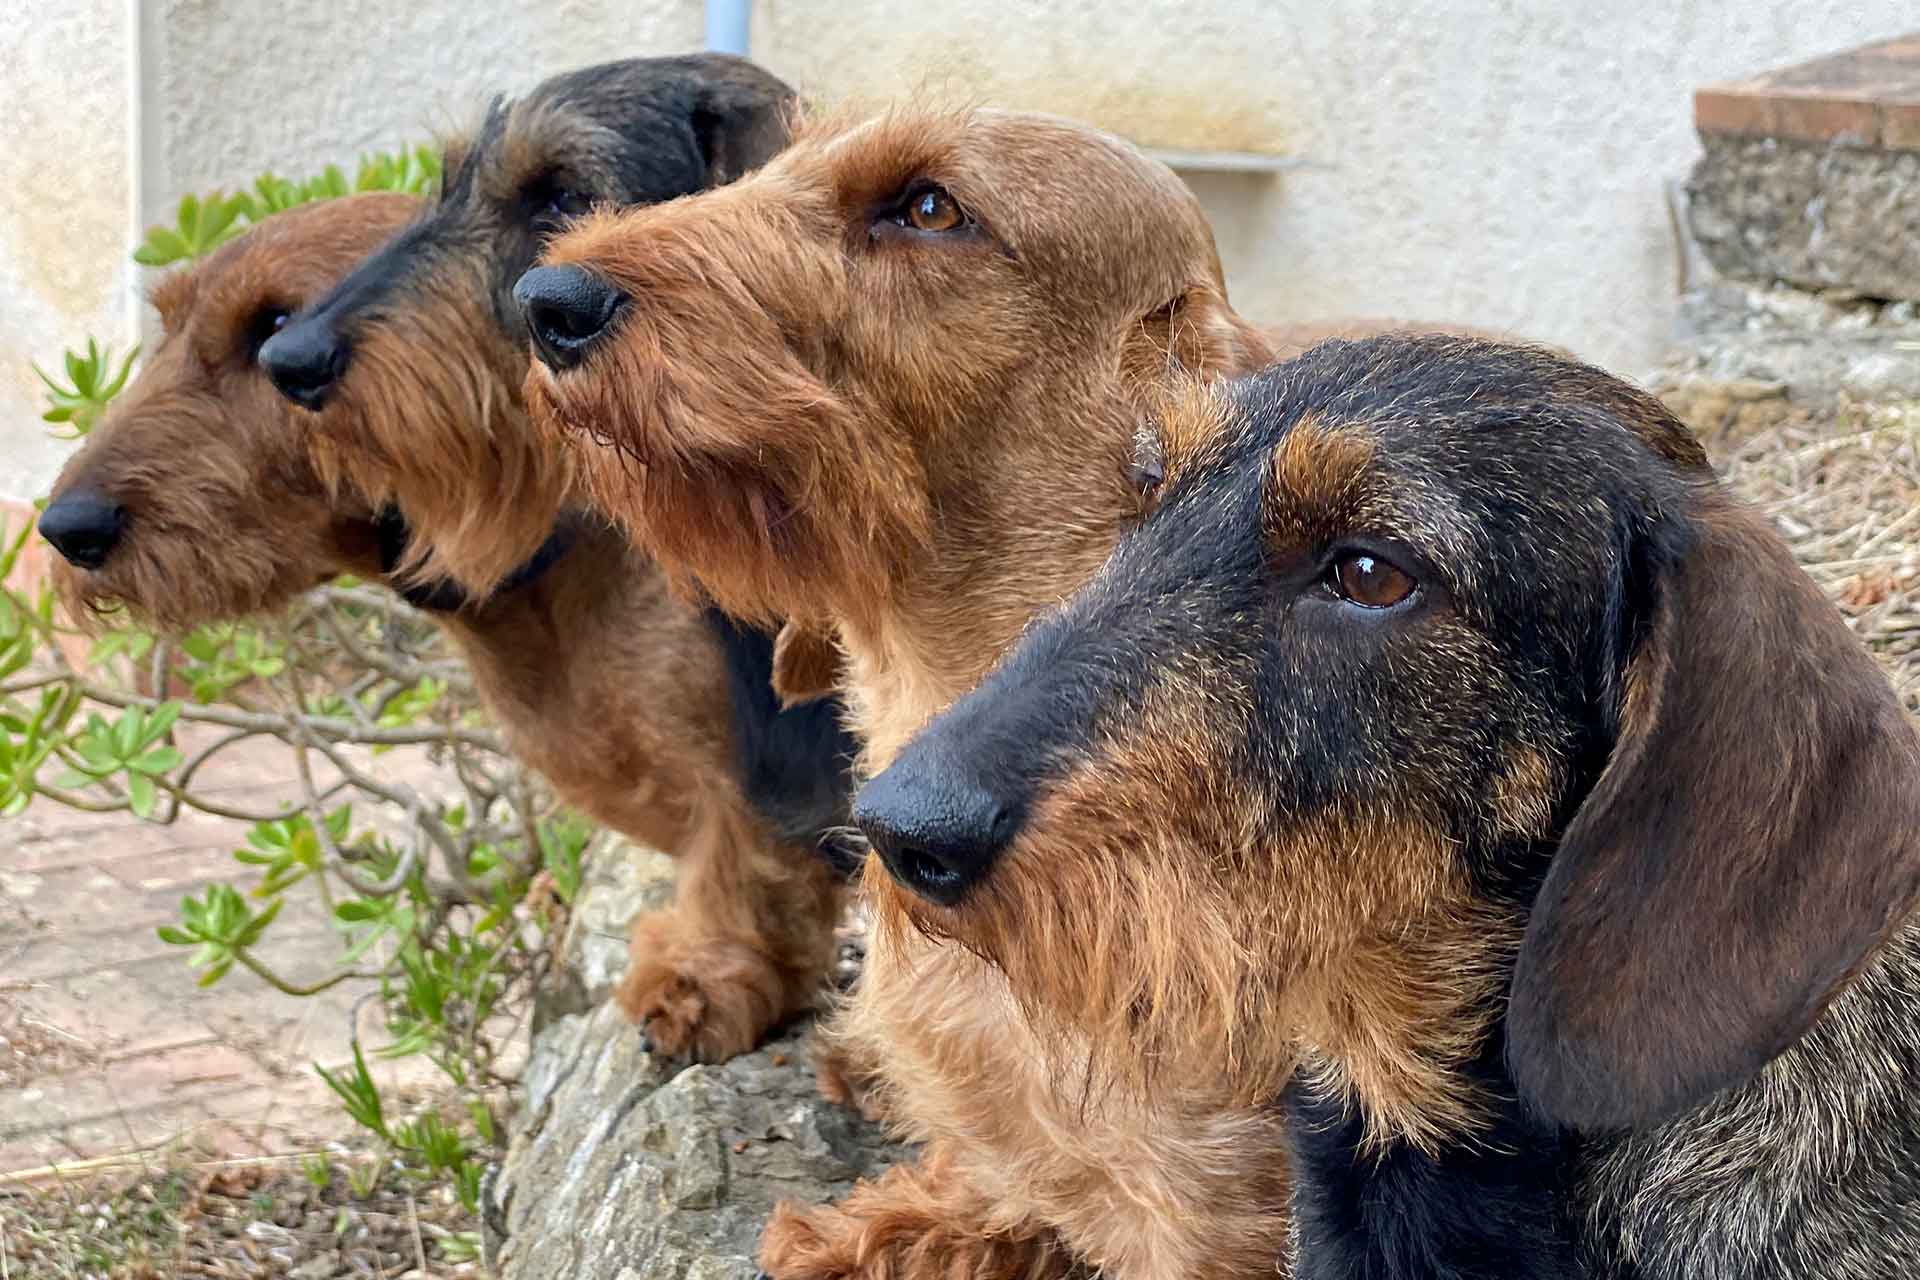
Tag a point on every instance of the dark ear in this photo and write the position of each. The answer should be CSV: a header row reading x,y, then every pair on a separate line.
x,y
1753,838
806,665
742,119
1196,335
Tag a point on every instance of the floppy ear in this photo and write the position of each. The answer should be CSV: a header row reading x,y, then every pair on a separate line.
x,y
1752,840
744,118
806,665
1196,335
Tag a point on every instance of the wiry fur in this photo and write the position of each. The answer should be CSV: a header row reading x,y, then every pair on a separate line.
x,y
1581,878
432,345
814,412
615,689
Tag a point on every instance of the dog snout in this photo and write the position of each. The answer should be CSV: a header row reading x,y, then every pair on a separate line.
x,y
83,526
938,832
568,310
306,359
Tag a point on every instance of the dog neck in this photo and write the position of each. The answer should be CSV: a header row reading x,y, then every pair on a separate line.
x,y
1491,1205
1021,525
443,595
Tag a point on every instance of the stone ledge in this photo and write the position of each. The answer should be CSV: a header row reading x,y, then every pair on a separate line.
x,y
1817,215
1866,97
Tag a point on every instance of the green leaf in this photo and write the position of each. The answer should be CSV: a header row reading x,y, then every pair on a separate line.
x,y
163,247
141,794
359,910
178,937
159,760
359,1093
258,925
161,719
218,971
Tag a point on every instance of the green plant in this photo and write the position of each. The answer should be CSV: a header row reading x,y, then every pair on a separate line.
x,y
203,223
91,382
431,895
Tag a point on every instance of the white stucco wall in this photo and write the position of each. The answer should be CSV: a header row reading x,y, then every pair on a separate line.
x,y
1497,163
65,208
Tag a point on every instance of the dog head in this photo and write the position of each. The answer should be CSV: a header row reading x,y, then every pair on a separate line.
x,y
195,498
923,329
1444,687
413,363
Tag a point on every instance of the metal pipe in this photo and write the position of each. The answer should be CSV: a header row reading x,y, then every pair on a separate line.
x,y
727,22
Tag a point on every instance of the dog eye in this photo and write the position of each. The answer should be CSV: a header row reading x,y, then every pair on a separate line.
x,y
551,202
1368,581
563,203
266,322
931,209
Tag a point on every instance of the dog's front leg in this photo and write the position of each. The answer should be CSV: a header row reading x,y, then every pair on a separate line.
x,y
745,946
920,1221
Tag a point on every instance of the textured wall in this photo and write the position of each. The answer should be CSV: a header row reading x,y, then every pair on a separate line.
x,y
234,86
65,199
1495,163
1500,163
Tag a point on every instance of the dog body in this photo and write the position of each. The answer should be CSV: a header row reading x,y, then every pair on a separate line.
x,y
1447,720
625,697
887,388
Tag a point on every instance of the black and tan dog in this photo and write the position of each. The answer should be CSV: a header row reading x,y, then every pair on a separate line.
x,y
1447,715
412,364
412,367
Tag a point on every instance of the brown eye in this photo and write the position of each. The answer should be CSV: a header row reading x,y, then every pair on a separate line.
x,y
934,210
1369,581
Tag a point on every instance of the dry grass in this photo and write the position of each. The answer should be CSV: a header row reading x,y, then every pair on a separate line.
x,y
315,1218
1843,488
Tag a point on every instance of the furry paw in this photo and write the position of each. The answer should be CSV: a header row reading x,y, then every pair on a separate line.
x,y
909,1225
708,999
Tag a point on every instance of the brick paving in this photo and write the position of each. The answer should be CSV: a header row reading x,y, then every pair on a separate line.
x,y
106,1043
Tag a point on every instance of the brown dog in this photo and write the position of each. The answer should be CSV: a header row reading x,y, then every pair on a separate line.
x,y
1448,712
890,385
198,498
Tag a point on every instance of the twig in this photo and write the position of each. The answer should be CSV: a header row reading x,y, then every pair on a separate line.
x,y
280,984
325,726
419,1246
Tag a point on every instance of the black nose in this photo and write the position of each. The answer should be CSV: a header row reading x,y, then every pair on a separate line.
x,y
306,359
938,832
83,526
568,310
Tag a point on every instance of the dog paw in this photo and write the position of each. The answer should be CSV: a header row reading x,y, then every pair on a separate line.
x,y
704,999
902,1228
810,1243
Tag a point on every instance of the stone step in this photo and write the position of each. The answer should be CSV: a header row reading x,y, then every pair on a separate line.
x,y
1811,174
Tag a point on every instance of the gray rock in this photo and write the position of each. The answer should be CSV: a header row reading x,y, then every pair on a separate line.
x,y
1747,354
1816,215
625,1166
619,882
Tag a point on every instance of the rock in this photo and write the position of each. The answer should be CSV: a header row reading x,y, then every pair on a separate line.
x,y
1751,356
619,882
1817,215
625,1166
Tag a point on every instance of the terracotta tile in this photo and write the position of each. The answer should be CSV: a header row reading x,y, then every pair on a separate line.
x,y
1867,96
111,1014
